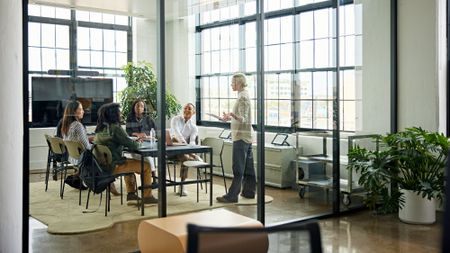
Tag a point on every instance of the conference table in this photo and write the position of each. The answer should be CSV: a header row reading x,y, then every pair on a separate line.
x,y
148,149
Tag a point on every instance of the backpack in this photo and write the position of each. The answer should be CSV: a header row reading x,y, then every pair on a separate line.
x,y
92,174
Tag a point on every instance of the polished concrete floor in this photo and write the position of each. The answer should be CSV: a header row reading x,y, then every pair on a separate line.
x,y
356,232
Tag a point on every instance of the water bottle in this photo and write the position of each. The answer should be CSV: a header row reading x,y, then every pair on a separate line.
x,y
152,137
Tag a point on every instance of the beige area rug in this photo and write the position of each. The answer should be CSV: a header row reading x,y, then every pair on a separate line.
x,y
65,216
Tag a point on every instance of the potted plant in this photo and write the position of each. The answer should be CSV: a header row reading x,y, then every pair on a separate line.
x,y
406,175
377,169
420,157
142,83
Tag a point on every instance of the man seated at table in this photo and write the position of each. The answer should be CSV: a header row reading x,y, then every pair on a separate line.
x,y
184,130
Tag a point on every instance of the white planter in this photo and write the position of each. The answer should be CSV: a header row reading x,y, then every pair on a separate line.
x,y
417,210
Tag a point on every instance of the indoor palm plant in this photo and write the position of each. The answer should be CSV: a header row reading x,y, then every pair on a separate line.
x,y
410,163
142,83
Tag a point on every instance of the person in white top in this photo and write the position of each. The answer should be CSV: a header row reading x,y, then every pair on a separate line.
x,y
184,130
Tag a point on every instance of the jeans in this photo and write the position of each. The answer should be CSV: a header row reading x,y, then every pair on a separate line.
x,y
243,171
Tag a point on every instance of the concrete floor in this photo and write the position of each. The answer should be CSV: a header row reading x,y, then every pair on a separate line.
x,y
357,232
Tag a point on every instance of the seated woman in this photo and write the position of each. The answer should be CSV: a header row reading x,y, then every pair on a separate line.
x,y
109,133
73,130
140,125
184,130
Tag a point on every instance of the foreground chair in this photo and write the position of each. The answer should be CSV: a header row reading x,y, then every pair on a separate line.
x,y
297,237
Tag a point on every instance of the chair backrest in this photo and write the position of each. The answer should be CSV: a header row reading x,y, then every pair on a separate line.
x,y
103,155
74,148
297,237
57,145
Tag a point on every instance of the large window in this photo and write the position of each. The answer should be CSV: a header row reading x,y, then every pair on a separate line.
x,y
72,43
300,61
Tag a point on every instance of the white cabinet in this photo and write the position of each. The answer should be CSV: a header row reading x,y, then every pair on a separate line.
x,y
279,170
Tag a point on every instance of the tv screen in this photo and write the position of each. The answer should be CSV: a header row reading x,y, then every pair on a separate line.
x,y
50,96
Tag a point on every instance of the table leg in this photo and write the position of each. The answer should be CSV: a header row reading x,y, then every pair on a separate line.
x,y
210,177
142,185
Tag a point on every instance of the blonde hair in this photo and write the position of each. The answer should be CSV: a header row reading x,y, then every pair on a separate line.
x,y
239,78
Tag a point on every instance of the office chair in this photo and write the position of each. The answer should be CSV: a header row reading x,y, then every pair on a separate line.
x,y
296,237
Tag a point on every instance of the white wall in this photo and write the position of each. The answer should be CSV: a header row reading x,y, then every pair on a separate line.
x,y
11,126
374,91
418,64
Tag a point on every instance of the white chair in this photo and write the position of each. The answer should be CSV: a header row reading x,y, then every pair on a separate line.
x,y
217,148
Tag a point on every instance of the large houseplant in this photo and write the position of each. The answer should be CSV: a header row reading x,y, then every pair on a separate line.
x,y
413,160
142,83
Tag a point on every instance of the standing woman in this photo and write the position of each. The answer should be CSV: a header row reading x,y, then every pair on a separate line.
x,y
241,134
109,133
139,125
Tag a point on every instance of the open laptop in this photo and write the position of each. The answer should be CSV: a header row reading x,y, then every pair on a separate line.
x,y
169,141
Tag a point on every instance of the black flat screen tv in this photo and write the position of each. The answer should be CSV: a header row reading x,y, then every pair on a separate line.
x,y
50,96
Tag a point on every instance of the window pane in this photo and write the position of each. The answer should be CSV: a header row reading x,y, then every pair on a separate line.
x,y
48,59
34,59
83,38
271,86
285,113
96,59
306,26
121,41
321,24
306,114
110,60
349,85
34,10
272,34
321,114
250,34
82,15
215,38
95,17
287,29
250,59
320,85
121,60
206,63
215,57
34,34
306,54
62,13
250,8
48,35
286,57
62,36
96,39
223,87
214,87
62,59
234,36
305,85
47,11
350,51
204,87
234,62
224,105
121,20
272,112
321,53
108,43
108,18
206,39
273,57
84,58
284,91
224,37
225,61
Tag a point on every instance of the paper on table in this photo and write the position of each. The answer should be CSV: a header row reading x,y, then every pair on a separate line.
x,y
215,116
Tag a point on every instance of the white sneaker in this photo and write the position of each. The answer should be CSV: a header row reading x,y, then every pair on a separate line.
x,y
184,193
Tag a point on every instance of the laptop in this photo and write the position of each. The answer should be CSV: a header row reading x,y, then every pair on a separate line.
x,y
169,141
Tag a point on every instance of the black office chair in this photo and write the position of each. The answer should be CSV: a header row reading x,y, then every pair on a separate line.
x,y
296,237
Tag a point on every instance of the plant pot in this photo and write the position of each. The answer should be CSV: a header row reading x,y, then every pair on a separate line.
x,y
417,210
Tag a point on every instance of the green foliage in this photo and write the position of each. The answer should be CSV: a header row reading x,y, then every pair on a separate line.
x,y
142,84
413,159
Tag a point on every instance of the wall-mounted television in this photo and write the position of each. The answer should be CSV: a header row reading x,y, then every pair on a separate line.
x,y
50,96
